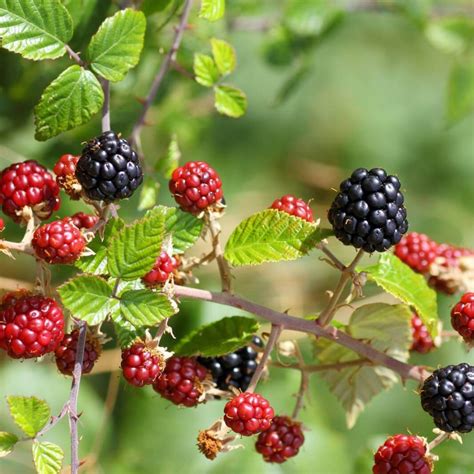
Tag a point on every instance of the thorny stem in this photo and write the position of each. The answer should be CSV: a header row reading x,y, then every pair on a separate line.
x,y
324,367
54,420
346,274
164,68
74,56
406,371
332,258
274,335
224,268
301,393
438,440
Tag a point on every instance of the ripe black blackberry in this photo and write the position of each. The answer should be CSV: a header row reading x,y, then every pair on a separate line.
x,y
234,369
108,168
448,396
368,212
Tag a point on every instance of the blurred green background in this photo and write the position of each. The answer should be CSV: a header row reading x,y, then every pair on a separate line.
x,y
374,93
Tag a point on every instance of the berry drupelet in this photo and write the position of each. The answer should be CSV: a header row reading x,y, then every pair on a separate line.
x,y
161,271
422,341
462,317
109,169
418,251
141,365
448,396
65,171
234,369
368,212
293,206
84,221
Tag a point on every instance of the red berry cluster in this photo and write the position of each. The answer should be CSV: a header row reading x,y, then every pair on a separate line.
x,y
402,454
181,381
65,353
161,271
293,206
141,365
58,242
30,325
84,221
2,224
281,441
422,340
28,184
462,317
248,414
196,186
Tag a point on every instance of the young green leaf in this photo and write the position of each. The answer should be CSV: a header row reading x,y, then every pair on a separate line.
x,y
398,279
148,194
272,236
69,101
88,298
117,45
7,443
205,70
170,161
36,29
126,332
184,228
230,101
224,56
218,338
145,307
212,10
460,91
48,457
385,327
133,252
29,413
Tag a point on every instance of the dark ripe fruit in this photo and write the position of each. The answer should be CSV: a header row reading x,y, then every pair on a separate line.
x,y
462,317
196,187
293,206
368,212
248,414
141,365
109,169
181,381
422,341
418,251
30,325
281,441
28,184
161,271
448,395
58,242
402,454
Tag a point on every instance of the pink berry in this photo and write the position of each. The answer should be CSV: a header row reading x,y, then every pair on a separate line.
x,y
293,206
161,271
422,341
462,317
418,251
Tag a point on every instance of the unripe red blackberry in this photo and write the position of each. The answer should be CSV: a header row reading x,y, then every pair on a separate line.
x,y
248,413
418,251
161,271
462,317
447,395
196,187
293,206
422,341
109,169
2,224
281,441
182,381
58,242
368,212
30,325
65,171
28,184
65,353
141,364
402,454
84,221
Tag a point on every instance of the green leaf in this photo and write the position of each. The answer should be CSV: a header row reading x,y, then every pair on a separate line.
x,y
117,45
212,10
69,101
387,329
7,443
205,70
450,35
88,298
30,413
218,338
36,29
48,457
398,279
170,161
460,91
149,7
183,227
272,236
224,56
145,307
292,83
148,194
97,264
133,252
126,332
230,101
311,19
